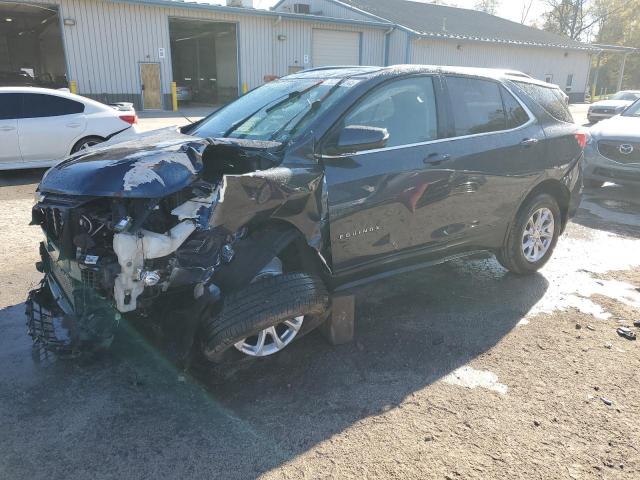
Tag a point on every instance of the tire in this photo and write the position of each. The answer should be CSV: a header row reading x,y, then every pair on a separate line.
x,y
592,183
512,255
260,305
85,143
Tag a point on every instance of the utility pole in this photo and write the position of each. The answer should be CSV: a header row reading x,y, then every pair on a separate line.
x,y
621,75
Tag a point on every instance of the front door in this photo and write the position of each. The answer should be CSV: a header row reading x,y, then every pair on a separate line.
x,y
9,111
151,92
378,197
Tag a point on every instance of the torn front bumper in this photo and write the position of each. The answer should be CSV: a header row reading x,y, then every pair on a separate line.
x,y
66,317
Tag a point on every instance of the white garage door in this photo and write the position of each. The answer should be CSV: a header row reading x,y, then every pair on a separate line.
x,y
331,47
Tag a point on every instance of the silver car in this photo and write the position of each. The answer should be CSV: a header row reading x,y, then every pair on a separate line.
x,y
612,106
613,150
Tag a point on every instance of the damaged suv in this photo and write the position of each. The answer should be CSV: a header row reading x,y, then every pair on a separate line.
x,y
233,232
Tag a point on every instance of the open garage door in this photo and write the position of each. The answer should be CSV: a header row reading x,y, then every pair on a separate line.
x,y
204,58
31,49
332,47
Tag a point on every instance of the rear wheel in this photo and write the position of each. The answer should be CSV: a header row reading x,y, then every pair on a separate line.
x,y
533,237
85,143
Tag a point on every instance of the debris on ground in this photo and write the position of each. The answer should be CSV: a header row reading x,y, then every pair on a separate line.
x,y
606,401
591,327
626,332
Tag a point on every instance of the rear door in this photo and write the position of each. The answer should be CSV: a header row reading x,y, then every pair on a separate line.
x,y
9,112
49,126
379,199
497,149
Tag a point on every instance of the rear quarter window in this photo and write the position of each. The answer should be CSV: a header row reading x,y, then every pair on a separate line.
x,y
36,105
9,106
550,99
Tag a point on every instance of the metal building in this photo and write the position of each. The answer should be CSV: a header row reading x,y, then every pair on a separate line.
x,y
424,33
131,50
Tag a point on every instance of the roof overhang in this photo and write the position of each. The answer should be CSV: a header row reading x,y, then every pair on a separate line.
x,y
256,12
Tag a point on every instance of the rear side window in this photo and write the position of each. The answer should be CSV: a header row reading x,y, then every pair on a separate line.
x,y
477,106
516,115
37,105
548,98
9,106
406,108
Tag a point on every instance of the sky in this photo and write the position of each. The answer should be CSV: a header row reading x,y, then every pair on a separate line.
x,y
510,9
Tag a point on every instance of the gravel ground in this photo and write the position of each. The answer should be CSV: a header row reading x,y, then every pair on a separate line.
x,y
458,371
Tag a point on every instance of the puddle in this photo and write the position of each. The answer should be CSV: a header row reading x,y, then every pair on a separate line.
x,y
471,378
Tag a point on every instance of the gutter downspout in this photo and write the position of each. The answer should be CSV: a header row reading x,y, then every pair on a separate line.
x,y
407,53
387,41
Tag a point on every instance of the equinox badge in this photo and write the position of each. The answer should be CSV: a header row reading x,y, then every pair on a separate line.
x,y
357,233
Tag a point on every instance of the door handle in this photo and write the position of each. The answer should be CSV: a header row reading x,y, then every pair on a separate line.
x,y
527,142
6,128
73,125
436,158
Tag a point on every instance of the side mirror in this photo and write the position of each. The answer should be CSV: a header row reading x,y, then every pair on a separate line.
x,y
355,138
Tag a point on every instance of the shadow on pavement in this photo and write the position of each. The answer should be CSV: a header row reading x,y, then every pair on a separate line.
x,y
612,208
10,178
130,414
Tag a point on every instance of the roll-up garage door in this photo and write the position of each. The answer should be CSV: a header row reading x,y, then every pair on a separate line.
x,y
332,47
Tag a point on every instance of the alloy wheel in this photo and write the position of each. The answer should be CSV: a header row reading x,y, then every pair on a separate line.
x,y
538,234
271,340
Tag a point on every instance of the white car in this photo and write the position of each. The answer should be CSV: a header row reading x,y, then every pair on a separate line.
x,y
39,126
612,106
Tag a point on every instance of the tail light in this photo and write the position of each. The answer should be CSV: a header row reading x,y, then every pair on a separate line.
x,y
582,138
129,118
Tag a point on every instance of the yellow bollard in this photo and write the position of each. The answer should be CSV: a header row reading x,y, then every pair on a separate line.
x,y
174,96
245,88
73,86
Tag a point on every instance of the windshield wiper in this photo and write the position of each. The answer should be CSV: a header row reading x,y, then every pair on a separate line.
x,y
279,102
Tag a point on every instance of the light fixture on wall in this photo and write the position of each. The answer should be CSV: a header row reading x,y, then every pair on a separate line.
x,y
282,37
8,19
69,22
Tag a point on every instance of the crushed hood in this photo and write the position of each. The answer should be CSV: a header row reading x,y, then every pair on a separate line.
x,y
150,165
618,127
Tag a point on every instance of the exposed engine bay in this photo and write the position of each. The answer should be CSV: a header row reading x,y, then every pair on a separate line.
x,y
147,226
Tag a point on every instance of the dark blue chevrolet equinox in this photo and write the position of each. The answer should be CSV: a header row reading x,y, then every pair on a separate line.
x,y
232,234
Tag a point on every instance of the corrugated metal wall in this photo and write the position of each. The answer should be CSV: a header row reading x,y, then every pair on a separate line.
x,y
110,39
534,61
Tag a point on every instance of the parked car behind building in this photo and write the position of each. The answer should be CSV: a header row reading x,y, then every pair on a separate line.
x,y
238,227
613,150
39,126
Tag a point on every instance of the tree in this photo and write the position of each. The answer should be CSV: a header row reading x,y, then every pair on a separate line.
x,y
526,8
577,19
488,6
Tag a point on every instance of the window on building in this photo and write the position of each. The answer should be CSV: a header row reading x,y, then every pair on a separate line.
x,y
477,106
406,108
548,98
548,77
9,106
39,105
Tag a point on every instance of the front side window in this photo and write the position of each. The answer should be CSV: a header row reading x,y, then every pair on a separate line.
x,y
36,105
405,108
9,106
277,111
548,98
477,106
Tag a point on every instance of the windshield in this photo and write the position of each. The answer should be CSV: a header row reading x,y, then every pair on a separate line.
x,y
633,110
277,111
632,96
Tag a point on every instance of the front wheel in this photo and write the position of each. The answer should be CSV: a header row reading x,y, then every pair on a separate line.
x,y
266,316
533,237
